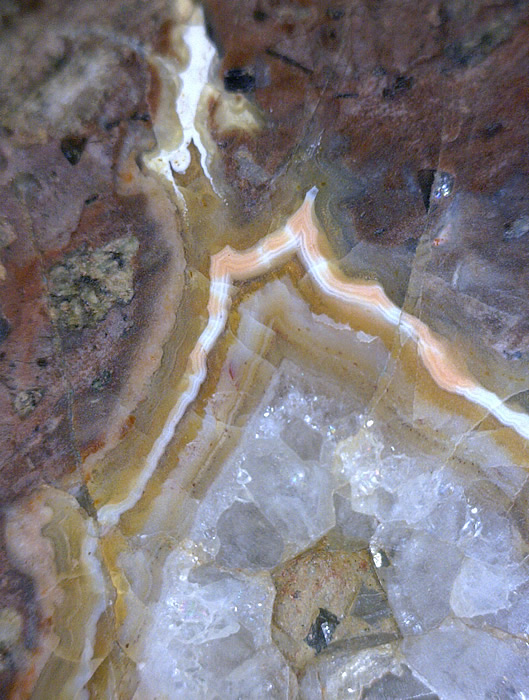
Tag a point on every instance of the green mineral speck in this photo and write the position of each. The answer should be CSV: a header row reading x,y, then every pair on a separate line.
x,y
101,381
88,283
27,400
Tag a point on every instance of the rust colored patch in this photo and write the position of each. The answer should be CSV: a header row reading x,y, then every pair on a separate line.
x,y
376,98
162,42
328,77
129,423
155,88
92,448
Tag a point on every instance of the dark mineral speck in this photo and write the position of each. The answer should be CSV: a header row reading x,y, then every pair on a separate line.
x,y
239,80
334,13
4,328
322,630
426,178
400,85
492,129
72,148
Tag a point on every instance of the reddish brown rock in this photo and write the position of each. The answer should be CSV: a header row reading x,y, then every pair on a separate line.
x,y
73,119
414,117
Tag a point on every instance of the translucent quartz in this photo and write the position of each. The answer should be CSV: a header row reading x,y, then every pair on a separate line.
x,y
460,662
210,635
280,497
441,541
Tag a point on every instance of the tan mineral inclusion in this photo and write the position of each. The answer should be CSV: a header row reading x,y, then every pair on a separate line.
x,y
307,488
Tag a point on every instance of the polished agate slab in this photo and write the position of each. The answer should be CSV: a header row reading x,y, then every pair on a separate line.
x,y
298,451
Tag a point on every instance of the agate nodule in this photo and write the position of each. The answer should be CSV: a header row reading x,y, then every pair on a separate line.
x,y
263,351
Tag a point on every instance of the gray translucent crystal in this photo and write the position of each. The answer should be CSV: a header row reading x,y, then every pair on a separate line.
x,y
371,605
444,542
420,577
481,588
248,539
283,477
306,411
304,440
356,527
459,662
488,533
296,496
209,626
228,653
341,674
391,485
514,617
265,675
447,519
398,687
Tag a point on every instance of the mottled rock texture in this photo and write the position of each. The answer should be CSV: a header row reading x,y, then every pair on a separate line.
x,y
417,115
75,111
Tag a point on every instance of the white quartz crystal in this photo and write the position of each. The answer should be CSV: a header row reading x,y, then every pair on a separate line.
x,y
344,676
312,462
460,662
481,588
210,632
274,497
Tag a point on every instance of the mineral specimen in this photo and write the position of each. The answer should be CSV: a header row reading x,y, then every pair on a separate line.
x,y
263,349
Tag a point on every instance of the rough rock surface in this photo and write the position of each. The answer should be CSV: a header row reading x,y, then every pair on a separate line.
x,y
75,111
417,114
